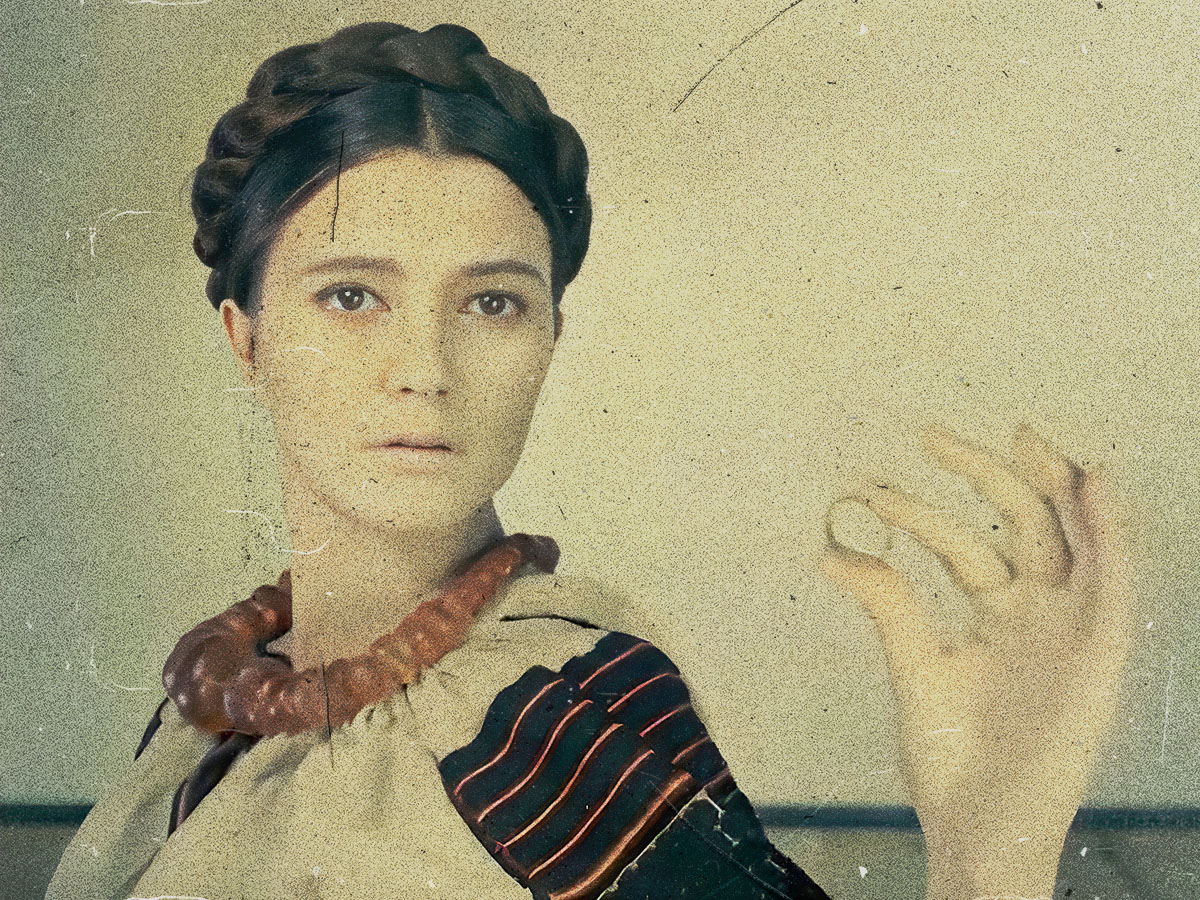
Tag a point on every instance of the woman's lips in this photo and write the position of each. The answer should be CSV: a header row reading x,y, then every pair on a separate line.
x,y
429,459
416,451
415,440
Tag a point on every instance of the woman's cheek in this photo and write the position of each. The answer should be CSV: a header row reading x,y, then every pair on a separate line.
x,y
311,405
512,402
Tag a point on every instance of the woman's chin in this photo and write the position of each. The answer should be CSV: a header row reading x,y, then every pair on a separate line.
x,y
403,505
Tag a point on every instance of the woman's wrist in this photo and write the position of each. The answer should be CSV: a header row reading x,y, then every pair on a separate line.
x,y
955,885
1025,870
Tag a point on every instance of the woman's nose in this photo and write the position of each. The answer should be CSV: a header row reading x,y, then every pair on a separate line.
x,y
417,357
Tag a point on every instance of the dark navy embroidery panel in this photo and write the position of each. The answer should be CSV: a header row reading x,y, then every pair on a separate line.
x,y
713,849
600,778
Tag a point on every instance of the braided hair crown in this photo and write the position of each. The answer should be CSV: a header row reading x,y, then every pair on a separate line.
x,y
378,79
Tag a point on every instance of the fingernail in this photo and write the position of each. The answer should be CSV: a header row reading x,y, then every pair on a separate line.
x,y
936,435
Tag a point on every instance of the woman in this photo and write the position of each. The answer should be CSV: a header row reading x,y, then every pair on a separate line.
x,y
420,706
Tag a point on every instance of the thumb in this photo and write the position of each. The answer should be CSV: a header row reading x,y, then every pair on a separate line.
x,y
905,629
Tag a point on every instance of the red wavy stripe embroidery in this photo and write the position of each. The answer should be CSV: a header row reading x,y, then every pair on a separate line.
x,y
583,829
646,683
596,744
679,788
689,748
612,662
537,765
512,734
678,709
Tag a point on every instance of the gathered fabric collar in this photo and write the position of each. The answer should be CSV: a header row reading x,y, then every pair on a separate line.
x,y
222,679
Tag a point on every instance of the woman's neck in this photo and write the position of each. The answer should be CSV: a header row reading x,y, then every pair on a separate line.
x,y
364,580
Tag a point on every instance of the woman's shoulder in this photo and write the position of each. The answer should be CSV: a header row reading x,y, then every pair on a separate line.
x,y
538,624
564,624
592,768
128,823
582,600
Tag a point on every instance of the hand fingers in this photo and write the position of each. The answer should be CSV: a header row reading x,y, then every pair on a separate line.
x,y
974,564
1047,469
1058,478
1038,545
909,637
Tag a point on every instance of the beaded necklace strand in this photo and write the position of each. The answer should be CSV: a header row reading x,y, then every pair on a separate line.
x,y
222,680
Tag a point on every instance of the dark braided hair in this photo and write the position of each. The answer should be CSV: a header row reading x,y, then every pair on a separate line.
x,y
367,89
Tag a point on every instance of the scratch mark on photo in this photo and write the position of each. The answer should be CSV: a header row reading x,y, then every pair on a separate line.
x,y
727,55
95,676
112,214
271,526
1162,753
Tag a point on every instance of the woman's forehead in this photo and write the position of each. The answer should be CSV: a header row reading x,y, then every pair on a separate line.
x,y
417,209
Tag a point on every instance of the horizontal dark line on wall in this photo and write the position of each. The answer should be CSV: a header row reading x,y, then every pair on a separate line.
x,y
905,818
43,813
772,816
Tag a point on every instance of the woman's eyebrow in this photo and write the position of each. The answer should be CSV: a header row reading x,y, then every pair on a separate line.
x,y
363,263
506,265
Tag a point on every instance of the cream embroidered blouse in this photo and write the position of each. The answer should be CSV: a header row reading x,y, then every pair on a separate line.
x,y
299,818
558,753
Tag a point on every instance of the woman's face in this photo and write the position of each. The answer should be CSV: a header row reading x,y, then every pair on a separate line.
x,y
409,297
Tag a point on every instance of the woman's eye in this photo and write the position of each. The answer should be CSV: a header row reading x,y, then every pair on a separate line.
x,y
347,298
496,305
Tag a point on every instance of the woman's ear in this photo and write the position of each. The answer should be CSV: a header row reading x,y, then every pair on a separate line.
x,y
240,331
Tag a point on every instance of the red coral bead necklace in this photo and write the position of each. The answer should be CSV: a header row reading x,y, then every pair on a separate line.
x,y
222,680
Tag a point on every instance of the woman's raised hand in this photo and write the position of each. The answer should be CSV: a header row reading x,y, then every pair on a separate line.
x,y
1000,733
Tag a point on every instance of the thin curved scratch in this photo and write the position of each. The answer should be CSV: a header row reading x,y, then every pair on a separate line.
x,y
111,213
726,56
1162,753
304,347
271,526
95,675
306,552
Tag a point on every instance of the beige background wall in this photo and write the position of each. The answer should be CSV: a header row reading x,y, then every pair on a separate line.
x,y
868,216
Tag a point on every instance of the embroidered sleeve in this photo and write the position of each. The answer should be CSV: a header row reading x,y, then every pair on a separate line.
x,y
600,780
